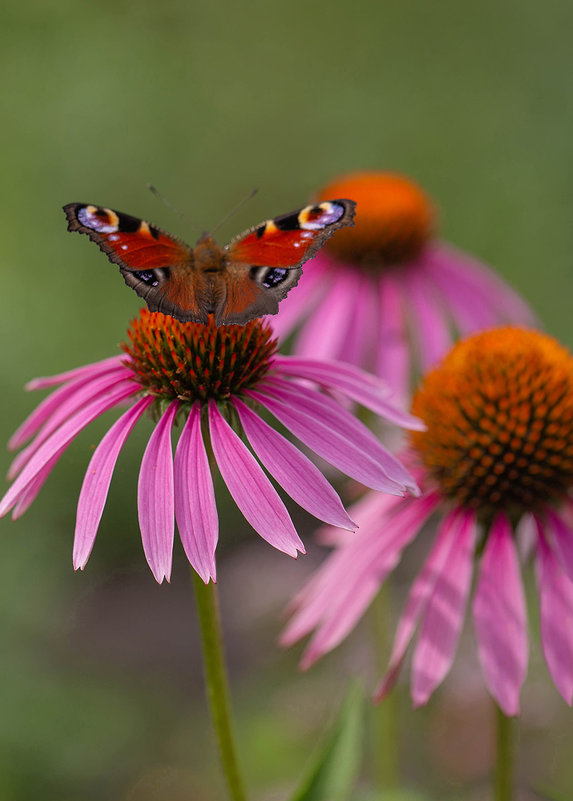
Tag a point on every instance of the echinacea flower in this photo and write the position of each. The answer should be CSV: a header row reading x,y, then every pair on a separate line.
x,y
215,382
387,294
496,466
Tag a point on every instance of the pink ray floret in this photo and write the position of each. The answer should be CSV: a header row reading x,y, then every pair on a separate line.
x,y
339,593
178,489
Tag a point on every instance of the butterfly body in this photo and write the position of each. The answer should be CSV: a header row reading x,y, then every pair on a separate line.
x,y
236,283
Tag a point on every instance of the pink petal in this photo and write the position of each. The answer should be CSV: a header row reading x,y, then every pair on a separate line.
x,y
195,505
394,349
45,409
251,489
343,588
561,539
78,397
95,487
324,332
418,599
433,337
445,612
355,383
85,371
556,601
336,435
359,346
60,439
475,291
292,470
306,295
30,494
330,412
500,617
155,501
367,512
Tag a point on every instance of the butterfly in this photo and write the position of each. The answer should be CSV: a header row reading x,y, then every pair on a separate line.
x,y
236,283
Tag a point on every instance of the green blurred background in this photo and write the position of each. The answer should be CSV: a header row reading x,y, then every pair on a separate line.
x,y
101,689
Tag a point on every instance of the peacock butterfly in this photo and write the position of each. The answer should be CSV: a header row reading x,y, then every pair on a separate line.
x,y
245,279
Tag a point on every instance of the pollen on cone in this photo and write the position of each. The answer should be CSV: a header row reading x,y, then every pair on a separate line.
x,y
499,416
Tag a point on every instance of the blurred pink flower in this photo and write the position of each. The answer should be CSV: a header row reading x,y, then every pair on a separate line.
x,y
496,465
218,380
386,294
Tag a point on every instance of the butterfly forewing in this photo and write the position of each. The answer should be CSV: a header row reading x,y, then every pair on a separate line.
x,y
291,239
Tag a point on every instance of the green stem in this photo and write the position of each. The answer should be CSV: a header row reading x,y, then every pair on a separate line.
x,y
504,758
217,684
386,736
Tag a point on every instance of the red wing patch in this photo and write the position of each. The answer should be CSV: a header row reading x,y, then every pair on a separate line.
x,y
128,241
291,239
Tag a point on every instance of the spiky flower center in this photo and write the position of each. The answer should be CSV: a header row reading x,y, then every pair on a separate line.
x,y
192,361
499,412
394,220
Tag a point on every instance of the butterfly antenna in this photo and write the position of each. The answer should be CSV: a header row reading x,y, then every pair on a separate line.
x,y
169,205
241,203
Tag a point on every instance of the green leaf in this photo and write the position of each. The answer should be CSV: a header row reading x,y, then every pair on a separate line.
x,y
335,766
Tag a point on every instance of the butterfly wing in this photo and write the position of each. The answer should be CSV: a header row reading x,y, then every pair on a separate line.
x,y
158,266
264,263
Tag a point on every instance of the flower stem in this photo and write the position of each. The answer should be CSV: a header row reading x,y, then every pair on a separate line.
x,y
217,684
504,759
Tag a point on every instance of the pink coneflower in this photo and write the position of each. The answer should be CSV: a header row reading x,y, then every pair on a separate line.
x,y
215,383
496,465
386,294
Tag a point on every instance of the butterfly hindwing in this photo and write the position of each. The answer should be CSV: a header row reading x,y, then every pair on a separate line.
x,y
251,292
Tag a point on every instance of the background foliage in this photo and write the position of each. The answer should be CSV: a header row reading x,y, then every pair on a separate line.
x,y
101,693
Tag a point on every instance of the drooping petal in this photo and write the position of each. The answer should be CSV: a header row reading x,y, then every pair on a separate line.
x,y
342,589
356,384
445,612
77,398
556,602
251,489
306,295
478,298
93,370
339,419
333,433
561,537
295,473
370,510
500,617
195,505
417,602
324,331
155,497
30,494
359,346
394,349
95,487
433,338
46,408
60,439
